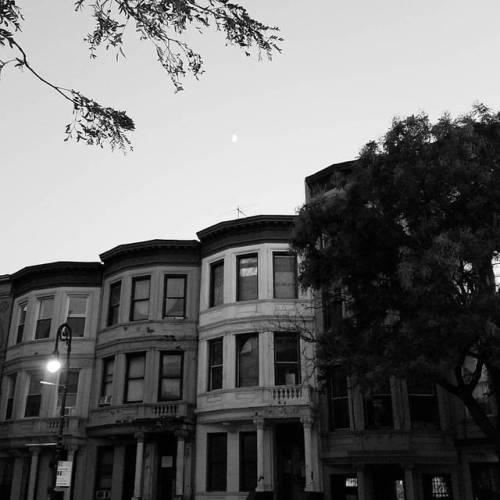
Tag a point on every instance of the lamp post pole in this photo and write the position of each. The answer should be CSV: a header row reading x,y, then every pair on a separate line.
x,y
64,334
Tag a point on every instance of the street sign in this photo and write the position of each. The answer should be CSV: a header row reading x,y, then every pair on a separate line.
x,y
64,474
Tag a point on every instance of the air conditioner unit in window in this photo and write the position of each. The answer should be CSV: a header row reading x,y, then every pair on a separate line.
x,y
103,495
68,411
104,400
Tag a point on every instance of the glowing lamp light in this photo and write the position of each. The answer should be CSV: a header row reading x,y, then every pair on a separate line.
x,y
53,365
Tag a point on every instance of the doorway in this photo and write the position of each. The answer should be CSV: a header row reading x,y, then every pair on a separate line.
x,y
290,466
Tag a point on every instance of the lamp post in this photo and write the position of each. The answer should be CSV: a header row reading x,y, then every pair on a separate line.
x,y
64,334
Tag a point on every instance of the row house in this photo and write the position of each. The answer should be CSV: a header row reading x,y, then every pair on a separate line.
x,y
193,376
408,440
189,377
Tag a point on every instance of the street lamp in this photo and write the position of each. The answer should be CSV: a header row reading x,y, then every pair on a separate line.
x,y
64,334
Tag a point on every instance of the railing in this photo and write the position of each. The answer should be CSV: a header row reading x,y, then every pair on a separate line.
x,y
26,427
165,409
253,397
287,394
120,414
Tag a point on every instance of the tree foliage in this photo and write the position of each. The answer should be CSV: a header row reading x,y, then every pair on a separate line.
x,y
162,23
410,235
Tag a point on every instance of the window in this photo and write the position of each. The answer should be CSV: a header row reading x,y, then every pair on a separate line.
x,y
217,283
45,311
114,303
286,359
284,275
104,469
77,311
339,399
216,461
423,402
247,287
134,386
23,310
485,481
378,408
170,376
6,475
71,393
34,398
482,393
437,487
247,348
248,461
215,364
108,366
139,308
11,390
345,486
333,309
175,297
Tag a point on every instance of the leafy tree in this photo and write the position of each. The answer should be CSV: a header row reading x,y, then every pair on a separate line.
x,y
161,22
410,234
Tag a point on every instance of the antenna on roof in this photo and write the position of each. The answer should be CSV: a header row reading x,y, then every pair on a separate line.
x,y
239,211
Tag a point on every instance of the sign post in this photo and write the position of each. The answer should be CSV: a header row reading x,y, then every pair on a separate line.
x,y
63,478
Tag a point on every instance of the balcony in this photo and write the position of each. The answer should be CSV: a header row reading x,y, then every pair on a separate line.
x,y
272,402
46,428
129,413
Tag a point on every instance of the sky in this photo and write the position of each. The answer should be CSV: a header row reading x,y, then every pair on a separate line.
x,y
245,135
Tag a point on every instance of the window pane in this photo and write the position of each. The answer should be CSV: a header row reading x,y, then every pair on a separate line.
x,y
215,362
34,397
141,288
23,309
140,310
175,287
216,378
77,326
174,307
77,306
284,276
339,401
248,360
104,469
46,308
170,389
286,347
107,377
135,391
286,374
216,352
217,284
171,365
247,278
114,293
286,359
114,303
378,409
423,402
136,367
42,329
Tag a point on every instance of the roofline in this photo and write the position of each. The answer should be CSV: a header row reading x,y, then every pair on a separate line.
x,y
140,246
56,266
254,220
327,171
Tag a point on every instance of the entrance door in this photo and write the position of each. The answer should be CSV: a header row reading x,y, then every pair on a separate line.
x,y
344,487
290,467
388,483
166,468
